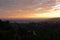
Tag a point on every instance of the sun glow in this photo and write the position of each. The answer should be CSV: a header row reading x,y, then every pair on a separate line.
x,y
52,14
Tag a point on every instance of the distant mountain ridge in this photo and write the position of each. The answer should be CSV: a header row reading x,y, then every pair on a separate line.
x,y
34,20
54,20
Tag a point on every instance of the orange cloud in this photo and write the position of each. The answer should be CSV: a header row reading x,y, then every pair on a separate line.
x,y
28,9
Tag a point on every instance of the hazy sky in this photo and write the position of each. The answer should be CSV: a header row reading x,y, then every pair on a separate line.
x,y
25,8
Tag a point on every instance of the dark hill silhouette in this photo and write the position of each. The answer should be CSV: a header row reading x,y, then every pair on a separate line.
x,y
54,19
48,30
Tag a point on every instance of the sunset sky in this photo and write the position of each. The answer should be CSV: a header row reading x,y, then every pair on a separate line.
x,y
29,8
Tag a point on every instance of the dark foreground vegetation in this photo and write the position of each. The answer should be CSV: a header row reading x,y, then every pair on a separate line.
x,y
30,31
